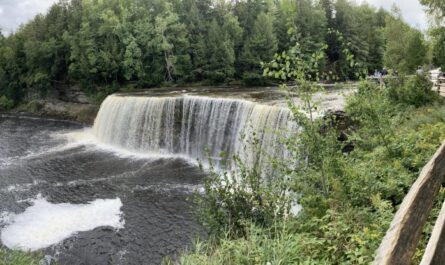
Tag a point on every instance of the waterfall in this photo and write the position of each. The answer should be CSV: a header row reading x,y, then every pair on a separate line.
x,y
195,126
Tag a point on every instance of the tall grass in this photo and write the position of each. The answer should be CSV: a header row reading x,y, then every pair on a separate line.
x,y
15,257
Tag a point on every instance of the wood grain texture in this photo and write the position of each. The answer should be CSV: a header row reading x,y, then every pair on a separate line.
x,y
403,235
435,250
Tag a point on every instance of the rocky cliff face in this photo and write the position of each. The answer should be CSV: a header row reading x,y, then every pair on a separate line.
x,y
63,101
72,93
84,113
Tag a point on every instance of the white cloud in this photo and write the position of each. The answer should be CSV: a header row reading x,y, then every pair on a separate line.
x,y
13,13
412,11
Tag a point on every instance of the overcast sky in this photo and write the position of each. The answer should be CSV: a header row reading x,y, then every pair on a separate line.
x,y
15,12
413,12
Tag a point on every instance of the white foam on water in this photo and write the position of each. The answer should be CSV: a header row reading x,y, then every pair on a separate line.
x,y
36,154
45,224
22,187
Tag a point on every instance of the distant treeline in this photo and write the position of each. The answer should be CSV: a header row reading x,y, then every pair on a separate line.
x,y
109,43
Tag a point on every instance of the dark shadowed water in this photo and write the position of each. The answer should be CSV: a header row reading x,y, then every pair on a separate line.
x,y
155,192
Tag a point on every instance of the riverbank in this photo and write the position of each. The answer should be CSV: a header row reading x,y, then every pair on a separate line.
x,y
57,109
73,109
349,199
15,257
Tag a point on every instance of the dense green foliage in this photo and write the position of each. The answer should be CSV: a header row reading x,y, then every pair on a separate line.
x,y
247,198
9,257
436,9
105,45
438,46
415,91
347,199
405,47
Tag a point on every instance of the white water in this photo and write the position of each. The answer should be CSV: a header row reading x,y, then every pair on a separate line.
x,y
45,224
194,126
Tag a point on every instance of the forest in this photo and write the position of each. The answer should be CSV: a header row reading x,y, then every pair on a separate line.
x,y
347,171
106,45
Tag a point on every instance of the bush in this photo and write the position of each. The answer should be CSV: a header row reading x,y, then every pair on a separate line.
x,y
13,257
253,79
216,77
348,200
416,91
103,92
234,200
344,225
373,111
259,246
5,103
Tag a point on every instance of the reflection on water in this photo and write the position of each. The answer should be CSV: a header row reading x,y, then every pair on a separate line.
x,y
155,191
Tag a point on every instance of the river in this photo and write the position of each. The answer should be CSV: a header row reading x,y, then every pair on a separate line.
x,y
41,167
121,192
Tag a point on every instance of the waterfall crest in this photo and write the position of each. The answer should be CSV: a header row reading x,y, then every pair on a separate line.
x,y
194,126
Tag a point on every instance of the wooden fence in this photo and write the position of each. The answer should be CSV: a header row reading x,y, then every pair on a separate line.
x,y
401,239
440,86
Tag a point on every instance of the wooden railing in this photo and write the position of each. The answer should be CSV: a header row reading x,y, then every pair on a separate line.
x,y
440,86
401,239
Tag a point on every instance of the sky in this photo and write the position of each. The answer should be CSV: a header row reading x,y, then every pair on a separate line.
x,y
15,12
412,11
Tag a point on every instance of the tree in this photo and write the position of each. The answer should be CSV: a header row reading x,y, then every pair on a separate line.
x,y
220,53
396,34
436,8
259,47
405,47
105,44
132,64
310,27
416,53
221,42
438,47
172,40
194,14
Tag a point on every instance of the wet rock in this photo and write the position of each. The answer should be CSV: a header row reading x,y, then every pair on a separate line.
x,y
83,113
344,126
47,260
72,93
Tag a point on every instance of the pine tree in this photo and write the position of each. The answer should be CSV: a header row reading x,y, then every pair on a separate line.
x,y
416,53
194,19
259,47
220,49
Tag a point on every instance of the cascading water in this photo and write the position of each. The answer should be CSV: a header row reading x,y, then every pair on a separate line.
x,y
194,126
129,209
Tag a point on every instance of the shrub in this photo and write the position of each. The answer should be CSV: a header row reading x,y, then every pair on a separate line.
x,y
13,257
415,91
259,246
234,200
348,200
216,77
5,103
253,79
373,111
103,92
346,225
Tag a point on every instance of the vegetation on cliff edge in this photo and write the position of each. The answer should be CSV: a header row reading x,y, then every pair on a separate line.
x,y
105,45
348,198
